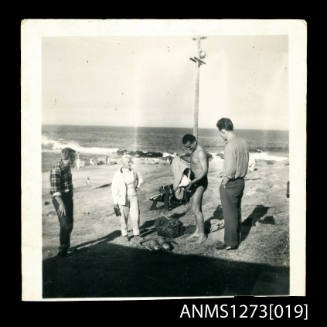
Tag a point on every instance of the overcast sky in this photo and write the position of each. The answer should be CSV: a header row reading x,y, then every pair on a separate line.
x,y
148,81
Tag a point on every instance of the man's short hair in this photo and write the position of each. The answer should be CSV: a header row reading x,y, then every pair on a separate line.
x,y
67,153
225,123
189,138
127,157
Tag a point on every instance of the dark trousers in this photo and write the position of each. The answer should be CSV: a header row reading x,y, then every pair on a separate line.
x,y
231,197
66,221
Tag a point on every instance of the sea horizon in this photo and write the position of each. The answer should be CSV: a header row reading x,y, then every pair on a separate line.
x,y
166,127
103,140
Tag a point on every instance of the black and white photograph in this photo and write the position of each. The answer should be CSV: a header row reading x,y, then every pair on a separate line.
x,y
163,158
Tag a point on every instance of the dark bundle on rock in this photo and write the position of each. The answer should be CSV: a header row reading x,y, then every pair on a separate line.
x,y
168,227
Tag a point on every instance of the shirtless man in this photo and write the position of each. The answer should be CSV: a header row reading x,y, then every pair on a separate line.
x,y
199,166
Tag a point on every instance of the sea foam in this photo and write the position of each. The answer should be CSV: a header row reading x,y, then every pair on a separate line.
x,y
55,146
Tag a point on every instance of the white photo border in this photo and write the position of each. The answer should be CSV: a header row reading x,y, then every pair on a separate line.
x,y
32,32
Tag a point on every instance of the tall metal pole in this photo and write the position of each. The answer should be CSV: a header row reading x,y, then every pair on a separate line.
x,y
197,91
197,87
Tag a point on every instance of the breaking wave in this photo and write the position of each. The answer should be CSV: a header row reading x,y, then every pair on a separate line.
x,y
49,145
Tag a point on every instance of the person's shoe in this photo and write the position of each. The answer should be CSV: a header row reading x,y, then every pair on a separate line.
x,y
62,253
125,238
220,246
231,248
71,251
223,246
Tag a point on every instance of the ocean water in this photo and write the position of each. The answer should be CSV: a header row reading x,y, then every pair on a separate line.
x,y
92,141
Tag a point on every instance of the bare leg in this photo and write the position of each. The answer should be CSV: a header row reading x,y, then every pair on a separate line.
x,y
197,210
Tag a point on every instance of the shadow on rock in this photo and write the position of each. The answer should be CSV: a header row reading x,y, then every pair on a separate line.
x,y
108,238
216,218
258,212
267,220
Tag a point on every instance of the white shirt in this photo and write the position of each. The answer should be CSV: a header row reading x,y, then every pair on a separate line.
x,y
124,184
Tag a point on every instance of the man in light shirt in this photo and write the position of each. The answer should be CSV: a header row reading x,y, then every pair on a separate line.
x,y
236,162
125,185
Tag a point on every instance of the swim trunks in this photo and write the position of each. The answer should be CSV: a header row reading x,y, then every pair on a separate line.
x,y
202,182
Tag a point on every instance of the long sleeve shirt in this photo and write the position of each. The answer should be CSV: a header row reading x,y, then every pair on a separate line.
x,y
236,158
60,179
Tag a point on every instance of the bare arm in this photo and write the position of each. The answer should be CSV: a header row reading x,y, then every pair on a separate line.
x,y
140,180
186,157
62,208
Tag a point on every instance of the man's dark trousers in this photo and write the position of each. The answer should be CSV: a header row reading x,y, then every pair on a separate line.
x,y
231,197
66,221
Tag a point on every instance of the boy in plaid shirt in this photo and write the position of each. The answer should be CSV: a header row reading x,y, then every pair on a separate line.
x,y
62,196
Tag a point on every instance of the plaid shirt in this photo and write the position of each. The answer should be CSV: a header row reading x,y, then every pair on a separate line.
x,y
60,179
